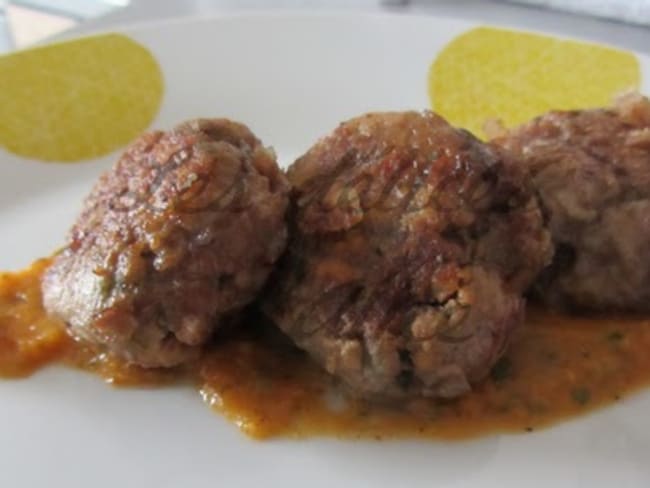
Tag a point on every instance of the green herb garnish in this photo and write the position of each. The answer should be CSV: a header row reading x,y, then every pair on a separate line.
x,y
615,336
581,395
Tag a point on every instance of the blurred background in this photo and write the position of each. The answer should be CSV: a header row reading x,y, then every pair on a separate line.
x,y
624,22
25,23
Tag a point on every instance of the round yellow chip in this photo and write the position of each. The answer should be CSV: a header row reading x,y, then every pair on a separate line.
x,y
79,99
490,73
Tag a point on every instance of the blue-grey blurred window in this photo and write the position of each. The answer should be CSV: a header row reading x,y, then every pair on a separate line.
x,y
24,22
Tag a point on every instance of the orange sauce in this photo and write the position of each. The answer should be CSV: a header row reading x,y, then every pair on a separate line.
x,y
557,367
30,339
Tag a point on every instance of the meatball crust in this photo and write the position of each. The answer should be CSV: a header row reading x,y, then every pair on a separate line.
x,y
591,170
172,242
411,243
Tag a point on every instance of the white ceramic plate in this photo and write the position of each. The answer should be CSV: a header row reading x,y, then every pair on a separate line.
x,y
292,79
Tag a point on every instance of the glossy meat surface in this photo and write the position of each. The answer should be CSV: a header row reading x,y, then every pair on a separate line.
x,y
411,245
172,242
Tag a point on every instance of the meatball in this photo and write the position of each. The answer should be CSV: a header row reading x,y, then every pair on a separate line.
x,y
411,243
171,243
591,170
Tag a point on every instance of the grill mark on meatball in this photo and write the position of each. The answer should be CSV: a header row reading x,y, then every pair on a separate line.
x,y
391,185
131,199
185,197
306,197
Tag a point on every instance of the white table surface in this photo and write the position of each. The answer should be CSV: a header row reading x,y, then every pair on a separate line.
x,y
489,11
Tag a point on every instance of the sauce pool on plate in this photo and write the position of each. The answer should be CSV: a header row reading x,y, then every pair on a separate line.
x,y
557,367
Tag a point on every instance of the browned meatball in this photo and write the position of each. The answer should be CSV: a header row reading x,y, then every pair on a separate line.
x,y
591,170
175,239
411,244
